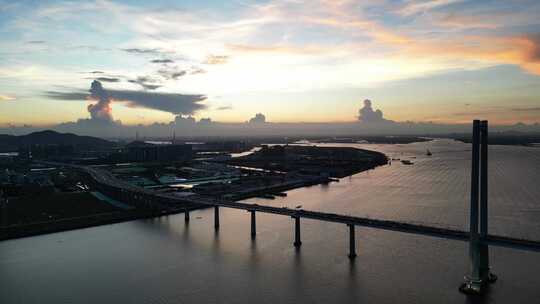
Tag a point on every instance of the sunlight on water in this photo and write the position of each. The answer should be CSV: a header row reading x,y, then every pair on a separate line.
x,y
435,189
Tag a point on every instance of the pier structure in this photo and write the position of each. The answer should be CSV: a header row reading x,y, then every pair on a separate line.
x,y
480,274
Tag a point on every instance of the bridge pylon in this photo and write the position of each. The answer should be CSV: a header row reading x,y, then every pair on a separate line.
x,y
480,274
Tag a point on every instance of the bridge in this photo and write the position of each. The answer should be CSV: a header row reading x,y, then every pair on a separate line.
x,y
477,236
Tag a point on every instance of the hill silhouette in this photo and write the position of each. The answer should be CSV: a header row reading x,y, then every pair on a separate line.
x,y
49,137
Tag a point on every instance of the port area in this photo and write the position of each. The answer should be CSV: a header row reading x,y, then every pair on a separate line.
x,y
36,198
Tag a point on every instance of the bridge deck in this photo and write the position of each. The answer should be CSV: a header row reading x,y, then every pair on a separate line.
x,y
105,177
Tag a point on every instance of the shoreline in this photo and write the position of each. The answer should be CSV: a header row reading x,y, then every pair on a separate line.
x,y
100,219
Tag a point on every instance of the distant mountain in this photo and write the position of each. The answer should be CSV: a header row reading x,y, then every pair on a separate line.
x,y
48,137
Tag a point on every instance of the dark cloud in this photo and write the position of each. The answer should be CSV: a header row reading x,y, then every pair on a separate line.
x,y
167,102
96,72
66,95
102,109
35,42
108,79
141,51
217,59
178,104
223,108
146,82
171,73
368,115
259,118
161,61
205,121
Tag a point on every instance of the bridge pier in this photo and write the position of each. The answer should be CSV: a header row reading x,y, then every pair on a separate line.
x,y
478,250
253,224
297,240
186,215
216,217
352,242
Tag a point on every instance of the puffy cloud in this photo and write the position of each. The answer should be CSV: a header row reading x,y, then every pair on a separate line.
x,y
102,109
184,120
259,118
368,115
205,121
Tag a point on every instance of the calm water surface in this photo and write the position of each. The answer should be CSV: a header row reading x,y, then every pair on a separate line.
x,y
164,260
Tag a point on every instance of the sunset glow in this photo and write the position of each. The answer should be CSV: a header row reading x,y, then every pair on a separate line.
x,y
295,61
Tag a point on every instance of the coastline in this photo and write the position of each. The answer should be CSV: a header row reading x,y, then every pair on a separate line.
x,y
66,224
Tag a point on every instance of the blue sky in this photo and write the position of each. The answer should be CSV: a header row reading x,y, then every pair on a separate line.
x,y
444,61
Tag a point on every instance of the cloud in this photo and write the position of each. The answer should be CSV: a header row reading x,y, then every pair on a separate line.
x,y
178,104
6,98
96,72
415,6
78,95
167,102
143,51
368,115
102,109
259,118
108,79
35,42
224,108
146,82
173,73
162,61
216,59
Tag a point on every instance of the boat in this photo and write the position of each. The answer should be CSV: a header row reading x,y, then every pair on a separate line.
x,y
428,153
407,162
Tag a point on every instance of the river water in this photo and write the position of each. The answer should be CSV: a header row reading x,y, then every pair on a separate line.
x,y
163,260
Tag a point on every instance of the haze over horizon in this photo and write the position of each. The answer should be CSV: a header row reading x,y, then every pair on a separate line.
x,y
268,67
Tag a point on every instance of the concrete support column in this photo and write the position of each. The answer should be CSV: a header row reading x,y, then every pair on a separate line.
x,y
352,242
478,251
297,240
186,215
484,270
473,282
253,224
216,217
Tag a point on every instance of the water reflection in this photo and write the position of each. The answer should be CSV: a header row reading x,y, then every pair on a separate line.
x,y
167,260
